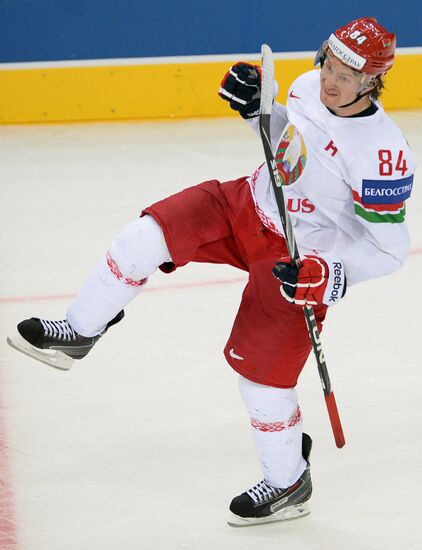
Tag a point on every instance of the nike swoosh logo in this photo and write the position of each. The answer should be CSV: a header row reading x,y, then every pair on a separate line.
x,y
292,95
234,355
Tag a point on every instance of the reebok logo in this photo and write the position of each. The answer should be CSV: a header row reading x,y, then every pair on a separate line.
x,y
338,283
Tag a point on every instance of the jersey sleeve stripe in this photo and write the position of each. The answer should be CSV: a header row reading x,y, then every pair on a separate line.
x,y
377,207
375,217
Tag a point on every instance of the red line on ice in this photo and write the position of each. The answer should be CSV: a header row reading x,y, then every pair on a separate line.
x,y
8,534
51,297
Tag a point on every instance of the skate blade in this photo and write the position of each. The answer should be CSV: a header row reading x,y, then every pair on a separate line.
x,y
52,358
292,512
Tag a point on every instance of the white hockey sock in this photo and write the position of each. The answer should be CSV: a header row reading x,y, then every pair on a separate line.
x,y
277,431
134,255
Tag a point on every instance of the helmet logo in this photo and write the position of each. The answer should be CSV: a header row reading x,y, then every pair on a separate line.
x,y
346,54
358,36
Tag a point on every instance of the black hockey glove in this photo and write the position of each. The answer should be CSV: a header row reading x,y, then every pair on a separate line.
x,y
287,272
241,86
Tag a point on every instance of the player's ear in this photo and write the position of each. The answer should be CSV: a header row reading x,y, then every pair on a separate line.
x,y
368,85
376,86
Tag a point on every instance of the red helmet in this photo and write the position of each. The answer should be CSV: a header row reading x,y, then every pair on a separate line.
x,y
364,45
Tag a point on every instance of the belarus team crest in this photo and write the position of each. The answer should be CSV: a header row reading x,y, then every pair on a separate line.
x,y
290,155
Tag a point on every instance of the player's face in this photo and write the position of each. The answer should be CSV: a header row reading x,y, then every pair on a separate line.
x,y
339,86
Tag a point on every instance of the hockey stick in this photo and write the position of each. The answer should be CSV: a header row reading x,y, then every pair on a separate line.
x,y
264,127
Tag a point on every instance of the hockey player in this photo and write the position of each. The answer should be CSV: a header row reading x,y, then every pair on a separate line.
x,y
347,171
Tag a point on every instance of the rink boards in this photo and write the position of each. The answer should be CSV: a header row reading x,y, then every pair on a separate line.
x,y
160,87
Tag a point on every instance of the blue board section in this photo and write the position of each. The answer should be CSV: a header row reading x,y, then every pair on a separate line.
x,y
48,30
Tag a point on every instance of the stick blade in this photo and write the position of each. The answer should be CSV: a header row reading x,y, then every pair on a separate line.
x,y
267,86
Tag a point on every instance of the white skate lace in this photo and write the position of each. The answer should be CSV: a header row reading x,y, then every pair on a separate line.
x,y
58,329
263,492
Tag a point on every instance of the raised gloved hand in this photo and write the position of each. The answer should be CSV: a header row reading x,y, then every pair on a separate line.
x,y
241,86
316,281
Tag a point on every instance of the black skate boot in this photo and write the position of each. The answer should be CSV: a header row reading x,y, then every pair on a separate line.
x,y
54,342
264,504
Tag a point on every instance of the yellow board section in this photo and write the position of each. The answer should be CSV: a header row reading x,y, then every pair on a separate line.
x,y
152,91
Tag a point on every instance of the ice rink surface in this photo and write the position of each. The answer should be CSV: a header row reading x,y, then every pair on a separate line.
x,y
144,443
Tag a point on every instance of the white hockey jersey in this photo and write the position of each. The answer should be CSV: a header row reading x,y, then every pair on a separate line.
x,y
346,182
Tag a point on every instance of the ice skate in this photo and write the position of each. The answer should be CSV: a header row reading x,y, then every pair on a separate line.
x,y
264,503
54,343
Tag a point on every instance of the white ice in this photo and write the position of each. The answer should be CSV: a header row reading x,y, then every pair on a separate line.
x,y
144,443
